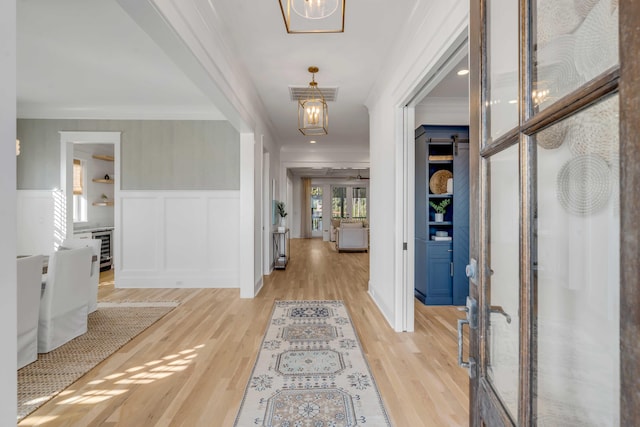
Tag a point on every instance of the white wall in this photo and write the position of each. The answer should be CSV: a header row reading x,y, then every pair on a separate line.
x,y
295,208
205,53
442,111
41,223
8,359
427,37
257,218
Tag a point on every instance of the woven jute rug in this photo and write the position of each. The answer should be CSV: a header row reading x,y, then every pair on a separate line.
x,y
110,327
311,372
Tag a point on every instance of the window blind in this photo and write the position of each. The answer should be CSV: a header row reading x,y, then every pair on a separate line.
x,y
77,177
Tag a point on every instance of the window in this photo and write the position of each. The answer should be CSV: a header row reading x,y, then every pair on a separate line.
x,y
338,202
316,209
359,202
78,177
79,191
349,202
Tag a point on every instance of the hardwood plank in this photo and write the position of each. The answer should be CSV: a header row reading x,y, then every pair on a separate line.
x,y
191,367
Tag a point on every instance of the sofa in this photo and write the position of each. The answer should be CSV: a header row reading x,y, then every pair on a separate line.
x,y
352,236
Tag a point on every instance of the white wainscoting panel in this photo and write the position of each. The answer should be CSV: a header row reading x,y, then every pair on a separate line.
x,y
223,238
178,239
185,243
139,233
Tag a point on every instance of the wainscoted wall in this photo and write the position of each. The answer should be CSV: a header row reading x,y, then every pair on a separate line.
x,y
178,239
40,221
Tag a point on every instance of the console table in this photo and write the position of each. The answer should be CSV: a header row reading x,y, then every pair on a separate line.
x,y
280,249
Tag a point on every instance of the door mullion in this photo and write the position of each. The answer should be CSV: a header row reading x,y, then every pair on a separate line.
x,y
526,405
527,309
476,131
629,207
484,268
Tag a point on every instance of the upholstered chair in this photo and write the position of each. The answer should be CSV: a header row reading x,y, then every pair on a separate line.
x,y
28,296
63,306
352,236
94,279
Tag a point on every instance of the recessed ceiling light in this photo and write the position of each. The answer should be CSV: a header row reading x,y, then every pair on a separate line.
x,y
463,72
312,142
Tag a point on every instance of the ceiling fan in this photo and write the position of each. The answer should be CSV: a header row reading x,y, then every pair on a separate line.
x,y
358,177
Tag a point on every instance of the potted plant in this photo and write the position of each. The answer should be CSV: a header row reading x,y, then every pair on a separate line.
x,y
440,208
282,212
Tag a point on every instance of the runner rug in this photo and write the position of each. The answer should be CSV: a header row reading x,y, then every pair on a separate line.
x,y
110,327
311,372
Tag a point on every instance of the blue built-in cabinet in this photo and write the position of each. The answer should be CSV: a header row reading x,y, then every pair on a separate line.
x,y
441,247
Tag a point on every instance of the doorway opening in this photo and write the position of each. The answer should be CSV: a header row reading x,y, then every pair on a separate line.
x,y
90,180
441,99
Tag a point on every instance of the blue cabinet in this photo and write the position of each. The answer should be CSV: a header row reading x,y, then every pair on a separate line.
x,y
441,244
439,277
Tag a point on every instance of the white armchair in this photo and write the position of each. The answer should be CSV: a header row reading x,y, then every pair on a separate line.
x,y
352,236
94,280
29,286
63,307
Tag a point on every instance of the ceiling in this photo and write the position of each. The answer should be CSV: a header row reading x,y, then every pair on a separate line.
x,y
89,59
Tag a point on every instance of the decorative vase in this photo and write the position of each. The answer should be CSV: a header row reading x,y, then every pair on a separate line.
x,y
281,227
439,217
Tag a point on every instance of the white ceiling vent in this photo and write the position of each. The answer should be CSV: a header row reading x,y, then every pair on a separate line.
x,y
330,93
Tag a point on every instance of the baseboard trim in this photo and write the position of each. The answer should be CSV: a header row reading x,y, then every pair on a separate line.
x,y
258,286
221,281
381,306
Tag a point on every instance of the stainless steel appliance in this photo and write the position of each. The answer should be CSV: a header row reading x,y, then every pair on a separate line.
x,y
106,258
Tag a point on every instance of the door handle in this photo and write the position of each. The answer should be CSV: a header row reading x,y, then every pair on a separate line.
x,y
471,364
472,320
499,310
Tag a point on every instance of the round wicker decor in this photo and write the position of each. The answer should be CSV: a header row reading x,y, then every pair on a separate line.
x,y
594,38
584,184
595,131
552,137
438,181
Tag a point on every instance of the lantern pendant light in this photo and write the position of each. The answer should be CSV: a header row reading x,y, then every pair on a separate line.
x,y
313,16
313,115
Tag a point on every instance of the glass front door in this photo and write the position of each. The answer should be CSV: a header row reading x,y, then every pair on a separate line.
x,y
546,121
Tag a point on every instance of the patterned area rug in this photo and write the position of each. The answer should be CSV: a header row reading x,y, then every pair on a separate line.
x,y
110,327
311,372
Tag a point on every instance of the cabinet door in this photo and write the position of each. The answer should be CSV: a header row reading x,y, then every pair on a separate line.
x,y
439,288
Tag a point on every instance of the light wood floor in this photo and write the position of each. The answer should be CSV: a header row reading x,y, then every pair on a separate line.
x,y
191,367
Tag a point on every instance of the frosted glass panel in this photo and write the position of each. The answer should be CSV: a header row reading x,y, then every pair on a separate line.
x,y
575,41
502,367
502,58
578,270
